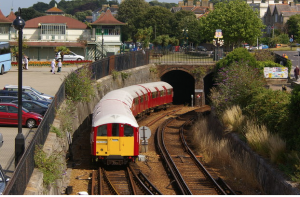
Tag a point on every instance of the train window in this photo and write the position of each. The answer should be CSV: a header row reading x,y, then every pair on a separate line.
x,y
161,93
154,94
169,91
146,97
142,98
136,101
128,130
115,129
102,130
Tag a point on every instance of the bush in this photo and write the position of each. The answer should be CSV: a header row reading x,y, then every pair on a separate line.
x,y
262,64
238,54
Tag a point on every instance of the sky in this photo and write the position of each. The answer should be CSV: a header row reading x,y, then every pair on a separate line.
x,y
6,5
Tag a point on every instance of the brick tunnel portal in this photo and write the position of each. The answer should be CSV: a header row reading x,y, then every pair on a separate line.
x,y
183,86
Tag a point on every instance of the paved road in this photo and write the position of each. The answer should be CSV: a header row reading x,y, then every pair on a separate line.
x,y
44,81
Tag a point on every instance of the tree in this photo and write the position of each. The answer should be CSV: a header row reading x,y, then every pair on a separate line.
x,y
238,22
131,12
81,16
41,7
144,36
293,25
63,50
29,13
178,23
159,18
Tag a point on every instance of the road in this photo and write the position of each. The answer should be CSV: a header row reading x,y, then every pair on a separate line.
x,y
42,80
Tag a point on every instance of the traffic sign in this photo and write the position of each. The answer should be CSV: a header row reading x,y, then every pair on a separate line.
x,y
291,40
144,132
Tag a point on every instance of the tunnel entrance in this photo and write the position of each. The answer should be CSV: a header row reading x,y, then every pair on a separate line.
x,y
183,86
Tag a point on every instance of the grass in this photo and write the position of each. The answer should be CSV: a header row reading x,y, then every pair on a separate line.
x,y
233,119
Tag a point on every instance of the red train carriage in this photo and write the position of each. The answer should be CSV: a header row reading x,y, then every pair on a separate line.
x,y
114,136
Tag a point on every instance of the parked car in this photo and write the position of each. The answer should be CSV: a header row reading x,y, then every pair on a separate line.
x,y
28,89
8,99
261,46
9,115
71,56
201,48
26,95
33,106
3,180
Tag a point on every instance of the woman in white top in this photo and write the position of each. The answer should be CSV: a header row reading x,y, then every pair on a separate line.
x,y
25,61
53,66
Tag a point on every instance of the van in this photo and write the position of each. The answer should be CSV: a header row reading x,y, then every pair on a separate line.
x,y
281,45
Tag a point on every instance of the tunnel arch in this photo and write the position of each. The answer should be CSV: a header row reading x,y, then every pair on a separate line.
x,y
183,85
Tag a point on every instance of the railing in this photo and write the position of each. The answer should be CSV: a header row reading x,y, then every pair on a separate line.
x,y
101,68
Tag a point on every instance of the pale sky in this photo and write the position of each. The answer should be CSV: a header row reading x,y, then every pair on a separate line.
x,y
6,5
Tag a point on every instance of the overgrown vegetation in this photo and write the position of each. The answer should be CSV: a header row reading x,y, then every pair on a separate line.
x,y
267,120
66,114
79,85
51,166
56,130
115,74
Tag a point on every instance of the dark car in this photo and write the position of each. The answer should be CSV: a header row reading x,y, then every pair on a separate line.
x,y
25,95
34,106
201,48
3,180
8,99
9,115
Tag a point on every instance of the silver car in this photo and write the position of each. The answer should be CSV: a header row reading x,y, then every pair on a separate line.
x,y
69,57
29,89
3,180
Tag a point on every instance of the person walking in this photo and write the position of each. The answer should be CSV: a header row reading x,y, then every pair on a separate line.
x,y
25,61
296,73
59,64
53,66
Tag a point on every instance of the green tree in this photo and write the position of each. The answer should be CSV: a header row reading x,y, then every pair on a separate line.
x,y
238,22
52,3
29,13
131,12
144,36
41,7
81,16
293,26
178,23
159,18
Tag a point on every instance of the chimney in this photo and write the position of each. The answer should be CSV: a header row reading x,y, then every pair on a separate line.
x,y
180,3
284,2
205,3
190,3
211,6
198,3
292,4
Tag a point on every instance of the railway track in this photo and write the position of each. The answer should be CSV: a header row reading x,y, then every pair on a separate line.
x,y
125,180
190,176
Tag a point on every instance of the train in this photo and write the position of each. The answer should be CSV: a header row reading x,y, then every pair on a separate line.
x,y
114,135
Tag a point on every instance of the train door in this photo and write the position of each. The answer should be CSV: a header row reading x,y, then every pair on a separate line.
x,y
156,98
127,140
164,95
114,140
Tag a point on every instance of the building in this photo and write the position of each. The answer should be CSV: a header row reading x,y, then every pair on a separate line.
x,y
277,15
96,13
199,9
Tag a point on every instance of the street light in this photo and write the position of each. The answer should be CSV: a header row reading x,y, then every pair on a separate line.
x,y
218,42
102,31
19,24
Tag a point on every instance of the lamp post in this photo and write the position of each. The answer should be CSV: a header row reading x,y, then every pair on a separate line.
x,y
102,31
218,42
19,24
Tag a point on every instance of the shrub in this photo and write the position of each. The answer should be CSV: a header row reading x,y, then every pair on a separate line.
x,y
79,85
237,55
264,55
262,64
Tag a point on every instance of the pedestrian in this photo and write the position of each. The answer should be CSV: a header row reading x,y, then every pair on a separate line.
x,y
25,61
296,73
53,66
285,55
59,64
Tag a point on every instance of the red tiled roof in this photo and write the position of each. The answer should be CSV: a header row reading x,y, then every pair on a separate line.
x,y
3,19
107,19
54,9
11,16
70,22
48,44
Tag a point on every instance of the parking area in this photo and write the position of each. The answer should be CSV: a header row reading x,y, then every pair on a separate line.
x,y
42,80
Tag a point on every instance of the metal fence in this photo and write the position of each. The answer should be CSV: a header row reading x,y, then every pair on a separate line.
x,y
101,68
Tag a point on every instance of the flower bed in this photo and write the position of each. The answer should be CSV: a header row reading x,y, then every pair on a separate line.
x,y
48,63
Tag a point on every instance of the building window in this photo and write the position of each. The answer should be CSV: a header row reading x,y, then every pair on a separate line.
x,y
4,29
109,31
275,18
53,29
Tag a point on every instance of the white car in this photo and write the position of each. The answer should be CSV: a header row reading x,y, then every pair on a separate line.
x,y
29,89
69,57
